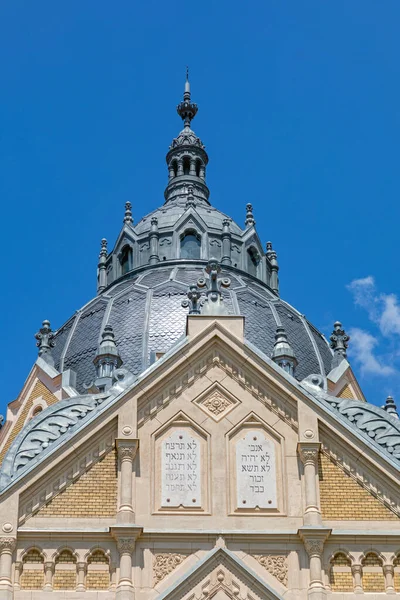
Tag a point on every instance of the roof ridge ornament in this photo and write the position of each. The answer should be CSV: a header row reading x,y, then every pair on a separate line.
x,y
128,219
214,302
45,342
339,344
193,300
250,221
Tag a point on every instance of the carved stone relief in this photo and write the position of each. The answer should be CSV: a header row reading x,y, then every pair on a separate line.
x,y
180,470
216,402
255,471
275,564
165,563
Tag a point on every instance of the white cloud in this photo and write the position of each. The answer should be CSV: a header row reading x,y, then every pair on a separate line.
x,y
362,348
383,309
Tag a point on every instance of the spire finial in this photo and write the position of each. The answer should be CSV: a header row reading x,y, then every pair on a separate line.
x,y
45,342
193,297
186,109
107,359
283,354
249,216
214,303
128,213
339,343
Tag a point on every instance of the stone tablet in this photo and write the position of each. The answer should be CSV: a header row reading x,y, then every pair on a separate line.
x,y
180,470
255,471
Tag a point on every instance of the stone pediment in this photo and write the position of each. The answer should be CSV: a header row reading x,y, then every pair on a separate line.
x,y
219,575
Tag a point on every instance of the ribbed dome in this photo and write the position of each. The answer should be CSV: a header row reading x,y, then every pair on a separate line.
x,y
145,311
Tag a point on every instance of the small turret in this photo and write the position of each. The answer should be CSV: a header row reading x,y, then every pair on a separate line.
x,y
107,359
45,342
339,344
283,354
390,407
273,262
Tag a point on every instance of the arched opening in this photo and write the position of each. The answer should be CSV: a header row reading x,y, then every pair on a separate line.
x,y
396,565
340,575
65,571
38,409
186,165
198,166
174,166
32,577
373,579
126,260
253,260
190,245
98,571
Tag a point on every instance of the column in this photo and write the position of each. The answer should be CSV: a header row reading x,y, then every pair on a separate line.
x,y
154,235
356,570
48,576
126,452
192,170
17,575
388,571
81,568
125,589
180,167
7,545
314,540
308,452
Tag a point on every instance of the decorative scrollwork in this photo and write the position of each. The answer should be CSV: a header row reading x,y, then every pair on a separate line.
x,y
275,564
164,564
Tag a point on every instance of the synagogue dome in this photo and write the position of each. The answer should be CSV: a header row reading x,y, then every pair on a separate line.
x,y
143,280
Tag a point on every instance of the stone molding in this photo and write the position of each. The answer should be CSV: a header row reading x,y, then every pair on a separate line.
x,y
45,490
165,563
275,564
388,496
246,378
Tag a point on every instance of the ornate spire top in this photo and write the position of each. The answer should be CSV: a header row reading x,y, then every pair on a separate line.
x,y
128,213
192,302
45,342
103,248
390,407
186,109
249,216
339,344
283,354
214,303
107,359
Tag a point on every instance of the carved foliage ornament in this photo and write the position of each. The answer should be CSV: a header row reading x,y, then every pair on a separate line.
x,y
126,545
216,403
314,547
275,564
165,563
7,544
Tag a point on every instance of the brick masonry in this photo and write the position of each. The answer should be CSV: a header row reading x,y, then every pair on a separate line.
x,y
343,499
85,497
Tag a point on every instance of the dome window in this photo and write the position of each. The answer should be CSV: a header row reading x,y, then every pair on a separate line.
x,y
253,260
190,245
126,260
186,165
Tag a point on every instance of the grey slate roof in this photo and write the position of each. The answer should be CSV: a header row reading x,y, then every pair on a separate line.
x,y
146,314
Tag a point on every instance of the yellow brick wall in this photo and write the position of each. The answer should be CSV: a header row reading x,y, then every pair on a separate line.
x,y
32,579
97,580
346,392
94,494
64,579
342,498
340,576
39,389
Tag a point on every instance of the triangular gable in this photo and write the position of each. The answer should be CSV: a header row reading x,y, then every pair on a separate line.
x,y
342,383
239,576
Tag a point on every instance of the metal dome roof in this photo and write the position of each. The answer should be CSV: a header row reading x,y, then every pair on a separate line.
x,y
144,309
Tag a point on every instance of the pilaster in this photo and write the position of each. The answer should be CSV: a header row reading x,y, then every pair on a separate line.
x,y
127,449
314,539
309,452
7,546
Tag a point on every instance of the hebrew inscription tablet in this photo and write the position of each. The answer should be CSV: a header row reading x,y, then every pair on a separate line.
x,y
255,471
180,471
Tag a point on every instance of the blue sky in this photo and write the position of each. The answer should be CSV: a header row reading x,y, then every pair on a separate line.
x,y
299,109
